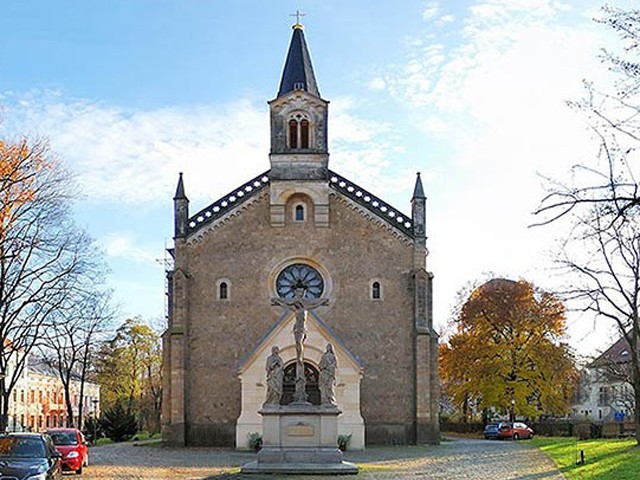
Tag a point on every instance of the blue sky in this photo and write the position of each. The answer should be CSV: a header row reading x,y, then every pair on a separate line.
x,y
470,93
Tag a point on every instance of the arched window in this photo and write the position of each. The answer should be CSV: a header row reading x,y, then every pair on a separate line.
x,y
375,291
293,134
223,289
299,215
289,384
304,134
299,132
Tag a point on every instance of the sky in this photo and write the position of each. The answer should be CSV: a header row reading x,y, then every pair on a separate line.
x,y
471,93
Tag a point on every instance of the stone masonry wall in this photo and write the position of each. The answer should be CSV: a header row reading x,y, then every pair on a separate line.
x,y
248,253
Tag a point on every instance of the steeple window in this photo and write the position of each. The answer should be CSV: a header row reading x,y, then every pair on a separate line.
x,y
299,132
304,133
293,134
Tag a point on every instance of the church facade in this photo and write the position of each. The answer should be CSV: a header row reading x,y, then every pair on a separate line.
x,y
299,223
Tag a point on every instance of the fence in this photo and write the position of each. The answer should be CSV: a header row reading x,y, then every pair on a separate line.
x,y
555,428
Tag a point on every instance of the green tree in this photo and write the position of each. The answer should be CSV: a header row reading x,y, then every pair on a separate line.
x,y
508,353
129,369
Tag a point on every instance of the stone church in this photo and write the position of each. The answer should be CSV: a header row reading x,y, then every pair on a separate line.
x,y
300,223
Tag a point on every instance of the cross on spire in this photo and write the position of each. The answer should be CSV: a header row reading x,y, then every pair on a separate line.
x,y
298,14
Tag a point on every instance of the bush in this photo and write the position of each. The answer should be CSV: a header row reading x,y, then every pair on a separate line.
x,y
118,424
255,441
343,441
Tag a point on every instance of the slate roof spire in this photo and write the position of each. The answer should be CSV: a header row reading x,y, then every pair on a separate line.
x,y
298,71
418,191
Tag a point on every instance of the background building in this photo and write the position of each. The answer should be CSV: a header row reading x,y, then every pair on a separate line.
x,y
37,401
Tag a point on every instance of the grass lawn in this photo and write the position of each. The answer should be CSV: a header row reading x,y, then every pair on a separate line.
x,y
605,459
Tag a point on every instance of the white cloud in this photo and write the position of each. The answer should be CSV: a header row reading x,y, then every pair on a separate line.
x,y
134,156
125,247
430,11
498,98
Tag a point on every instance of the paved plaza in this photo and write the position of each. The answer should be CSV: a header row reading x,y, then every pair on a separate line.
x,y
455,459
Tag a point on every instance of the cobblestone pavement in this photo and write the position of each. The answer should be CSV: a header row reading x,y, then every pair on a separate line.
x,y
456,459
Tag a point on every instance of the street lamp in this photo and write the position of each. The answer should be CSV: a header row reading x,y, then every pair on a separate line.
x,y
513,410
95,419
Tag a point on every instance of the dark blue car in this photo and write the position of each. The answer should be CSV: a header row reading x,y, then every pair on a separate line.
x,y
29,456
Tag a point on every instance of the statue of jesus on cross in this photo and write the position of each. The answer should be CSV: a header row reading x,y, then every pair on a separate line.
x,y
300,306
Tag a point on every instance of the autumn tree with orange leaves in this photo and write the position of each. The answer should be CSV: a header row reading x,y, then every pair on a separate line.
x,y
44,257
508,354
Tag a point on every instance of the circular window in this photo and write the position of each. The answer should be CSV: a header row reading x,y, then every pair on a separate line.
x,y
299,275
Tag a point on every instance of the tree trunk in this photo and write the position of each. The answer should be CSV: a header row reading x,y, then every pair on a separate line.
x,y
4,415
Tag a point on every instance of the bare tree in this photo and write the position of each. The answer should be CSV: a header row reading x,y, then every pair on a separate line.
x,y
613,117
42,254
70,346
602,250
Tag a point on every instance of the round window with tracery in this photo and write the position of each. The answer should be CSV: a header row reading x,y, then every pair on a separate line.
x,y
296,276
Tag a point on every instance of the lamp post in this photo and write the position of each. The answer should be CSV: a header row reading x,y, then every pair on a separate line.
x,y
95,420
513,410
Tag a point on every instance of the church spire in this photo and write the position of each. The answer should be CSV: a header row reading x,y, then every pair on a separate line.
x,y
298,71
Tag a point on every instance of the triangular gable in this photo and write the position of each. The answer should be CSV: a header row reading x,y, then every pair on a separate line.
x,y
281,334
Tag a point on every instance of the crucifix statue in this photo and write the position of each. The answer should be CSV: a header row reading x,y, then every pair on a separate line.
x,y
300,306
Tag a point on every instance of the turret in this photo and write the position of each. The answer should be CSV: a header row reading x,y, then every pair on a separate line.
x,y
418,204
180,210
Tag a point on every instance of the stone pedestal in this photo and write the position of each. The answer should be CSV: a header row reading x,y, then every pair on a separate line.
x,y
300,438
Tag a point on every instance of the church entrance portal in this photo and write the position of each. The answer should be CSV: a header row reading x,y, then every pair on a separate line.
x,y
289,384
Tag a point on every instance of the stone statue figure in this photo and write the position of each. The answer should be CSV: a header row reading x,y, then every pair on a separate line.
x,y
275,377
327,378
300,306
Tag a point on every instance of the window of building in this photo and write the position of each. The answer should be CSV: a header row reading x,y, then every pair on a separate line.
x,y
15,395
299,213
32,395
293,134
375,290
40,395
304,134
223,289
299,132
22,396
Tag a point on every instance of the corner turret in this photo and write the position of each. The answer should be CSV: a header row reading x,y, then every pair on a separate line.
x,y
418,204
180,210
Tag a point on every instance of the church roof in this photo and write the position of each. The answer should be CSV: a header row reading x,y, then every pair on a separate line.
x,y
359,195
298,71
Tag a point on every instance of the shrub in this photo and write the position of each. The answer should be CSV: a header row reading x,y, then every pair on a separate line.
x,y
343,441
118,424
255,441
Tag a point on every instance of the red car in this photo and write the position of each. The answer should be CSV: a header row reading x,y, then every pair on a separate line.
x,y
71,444
515,430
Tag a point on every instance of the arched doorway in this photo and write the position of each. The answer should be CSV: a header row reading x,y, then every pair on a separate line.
x,y
289,384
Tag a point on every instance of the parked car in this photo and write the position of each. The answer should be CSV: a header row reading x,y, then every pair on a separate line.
x,y
515,430
29,456
70,442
